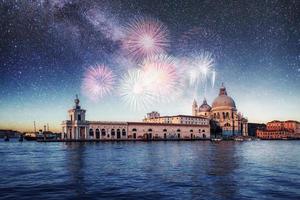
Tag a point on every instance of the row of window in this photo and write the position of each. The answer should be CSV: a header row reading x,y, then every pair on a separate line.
x,y
123,131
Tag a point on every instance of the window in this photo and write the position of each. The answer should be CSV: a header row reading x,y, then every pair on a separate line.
x,y
113,133
103,133
123,132
91,132
79,117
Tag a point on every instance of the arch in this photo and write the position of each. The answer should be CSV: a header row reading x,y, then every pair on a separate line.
x,y
149,130
118,133
134,129
123,132
203,135
113,132
191,130
178,130
97,134
218,115
91,132
199,130
227,125
165,130
203,131
103,132
223,114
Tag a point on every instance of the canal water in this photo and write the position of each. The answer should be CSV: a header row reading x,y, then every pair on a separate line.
x,y
153,170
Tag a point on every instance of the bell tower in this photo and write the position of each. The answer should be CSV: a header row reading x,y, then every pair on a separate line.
x,y
195,108
77,114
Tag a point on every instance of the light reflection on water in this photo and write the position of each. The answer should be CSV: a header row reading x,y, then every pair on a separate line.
x,y
153,170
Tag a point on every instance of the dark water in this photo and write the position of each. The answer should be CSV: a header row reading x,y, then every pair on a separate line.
x,y
154,170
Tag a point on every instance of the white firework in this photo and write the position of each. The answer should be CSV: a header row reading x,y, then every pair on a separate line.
x,y
134,92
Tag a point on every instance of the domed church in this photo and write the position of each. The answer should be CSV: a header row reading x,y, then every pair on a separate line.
x,y
223,113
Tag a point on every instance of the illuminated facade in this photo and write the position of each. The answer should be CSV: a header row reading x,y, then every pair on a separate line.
x,y
223,112
153,127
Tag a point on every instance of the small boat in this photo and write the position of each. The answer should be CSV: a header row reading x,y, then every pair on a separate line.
x,y
6,138
21,138
216,139
238,139
30,136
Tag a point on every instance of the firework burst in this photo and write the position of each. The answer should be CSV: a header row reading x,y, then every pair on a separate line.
x,y
200,70
134,92
144,38
98,82
161,76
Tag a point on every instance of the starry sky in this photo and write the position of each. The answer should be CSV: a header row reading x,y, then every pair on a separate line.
x,y
47,45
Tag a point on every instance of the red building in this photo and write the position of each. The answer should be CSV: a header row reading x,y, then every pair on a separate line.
x,y
280,130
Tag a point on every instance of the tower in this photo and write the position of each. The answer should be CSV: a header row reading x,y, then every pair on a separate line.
x,y
76,126
77,114
194,108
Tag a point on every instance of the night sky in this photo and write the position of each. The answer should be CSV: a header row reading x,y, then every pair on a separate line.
x,y
46,46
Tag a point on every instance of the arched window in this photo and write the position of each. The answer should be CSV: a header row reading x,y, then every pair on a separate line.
x,y
123,132
165,130
97,134
227,115
113,133
223,115
178,130
150,130
91,132
199,130
191,130
218,115
203,131
118,133
103,133
134,130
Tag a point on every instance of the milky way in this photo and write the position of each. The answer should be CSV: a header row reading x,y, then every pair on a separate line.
x,y
46,46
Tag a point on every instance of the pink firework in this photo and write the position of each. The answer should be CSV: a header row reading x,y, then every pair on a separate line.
x,y
161,76
145,38
98,82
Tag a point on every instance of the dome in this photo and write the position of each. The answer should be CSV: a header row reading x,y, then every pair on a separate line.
x,y
223,99
204,107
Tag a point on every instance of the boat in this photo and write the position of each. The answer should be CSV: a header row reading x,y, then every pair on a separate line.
x,y
21,138
216,139
6,138
30,136
238,139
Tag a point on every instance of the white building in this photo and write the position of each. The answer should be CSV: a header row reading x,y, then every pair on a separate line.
x,y
156,127
223,113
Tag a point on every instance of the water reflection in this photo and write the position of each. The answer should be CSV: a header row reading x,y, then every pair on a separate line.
x,y
75,155
154,170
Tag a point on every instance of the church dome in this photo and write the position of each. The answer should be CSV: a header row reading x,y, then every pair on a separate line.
x,y
223,100
204,107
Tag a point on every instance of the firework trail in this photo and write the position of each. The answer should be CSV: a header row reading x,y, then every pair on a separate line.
x,y
145,37
98,82
200,70
133,90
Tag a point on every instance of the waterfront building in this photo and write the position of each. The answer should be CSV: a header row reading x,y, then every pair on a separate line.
x,y
223,113
280,130
155,127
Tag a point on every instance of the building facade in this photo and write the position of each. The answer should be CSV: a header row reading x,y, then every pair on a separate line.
x,y
153,127
223,113
280,130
